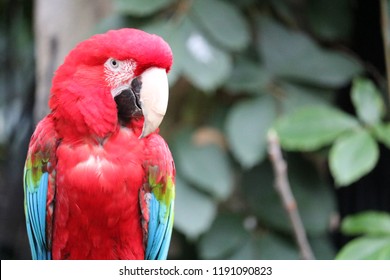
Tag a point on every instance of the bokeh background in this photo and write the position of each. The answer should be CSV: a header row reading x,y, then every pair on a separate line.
x,y
312,70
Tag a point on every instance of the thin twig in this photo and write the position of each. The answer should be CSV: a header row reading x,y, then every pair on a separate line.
x,y
283,188
386,38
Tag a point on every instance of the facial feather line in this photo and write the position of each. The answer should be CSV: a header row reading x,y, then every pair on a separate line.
x,y
120,76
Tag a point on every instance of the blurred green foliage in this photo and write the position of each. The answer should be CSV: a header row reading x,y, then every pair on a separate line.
x,y
240,68
16,73
16,102
355,151
374,242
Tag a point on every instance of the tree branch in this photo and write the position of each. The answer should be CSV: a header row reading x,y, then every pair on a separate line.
x,y
283,188
385,21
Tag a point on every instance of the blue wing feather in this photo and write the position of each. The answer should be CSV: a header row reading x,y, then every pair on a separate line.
x,y
35,204
37,173
152,225
167,234
157,199
159,230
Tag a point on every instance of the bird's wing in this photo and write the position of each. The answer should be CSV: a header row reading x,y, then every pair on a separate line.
x,y
39,188
157,199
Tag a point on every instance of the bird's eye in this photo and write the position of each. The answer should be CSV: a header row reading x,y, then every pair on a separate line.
x,y
113,63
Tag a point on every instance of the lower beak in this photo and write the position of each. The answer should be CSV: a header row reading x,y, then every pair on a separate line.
x,y
154,96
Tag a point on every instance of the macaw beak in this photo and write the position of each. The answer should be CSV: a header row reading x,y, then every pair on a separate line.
x,y
153,98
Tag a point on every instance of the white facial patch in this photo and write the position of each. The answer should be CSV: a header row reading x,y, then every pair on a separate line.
x,y
118,74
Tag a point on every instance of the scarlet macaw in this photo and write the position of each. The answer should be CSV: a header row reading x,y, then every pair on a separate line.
x,y
99,179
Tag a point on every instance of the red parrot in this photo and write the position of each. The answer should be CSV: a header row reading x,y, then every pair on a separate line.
x,y
99,179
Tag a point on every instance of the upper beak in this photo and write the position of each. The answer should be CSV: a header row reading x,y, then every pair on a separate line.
x,y
153,98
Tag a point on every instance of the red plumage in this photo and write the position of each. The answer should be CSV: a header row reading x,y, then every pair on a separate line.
x,y
97,209
99,165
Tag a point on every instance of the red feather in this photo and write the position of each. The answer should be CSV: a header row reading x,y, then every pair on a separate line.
x,y
97,214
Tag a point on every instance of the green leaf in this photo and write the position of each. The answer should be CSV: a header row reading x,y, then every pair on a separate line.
x,y
311,192
382,133
368,101
352,156
296,97
331,22
314,198
313,127
114,21
267,246
369,222
242,3
194,211
366,248
263,200
247,124
205,65
323,246
225,236
174,36
292,54
140,7
284,11
207,166
223,21
248,76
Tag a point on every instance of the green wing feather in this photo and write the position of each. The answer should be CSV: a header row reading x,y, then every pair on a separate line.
x,y
39,189
157,201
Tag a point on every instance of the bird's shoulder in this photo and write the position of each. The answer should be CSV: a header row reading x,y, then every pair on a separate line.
x,y
43,144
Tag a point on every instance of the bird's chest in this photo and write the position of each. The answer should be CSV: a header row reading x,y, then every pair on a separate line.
x,y
97,205
115,165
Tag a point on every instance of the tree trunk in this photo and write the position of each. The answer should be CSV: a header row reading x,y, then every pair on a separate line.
x,y
59,26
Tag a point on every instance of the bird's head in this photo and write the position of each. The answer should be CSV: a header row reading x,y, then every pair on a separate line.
x,y
113,79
